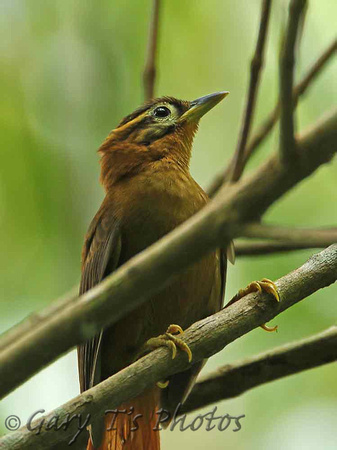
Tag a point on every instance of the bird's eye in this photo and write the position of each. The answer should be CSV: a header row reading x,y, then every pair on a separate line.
x,y
161,111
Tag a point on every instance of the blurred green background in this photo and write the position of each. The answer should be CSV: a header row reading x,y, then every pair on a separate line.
x,y
70,71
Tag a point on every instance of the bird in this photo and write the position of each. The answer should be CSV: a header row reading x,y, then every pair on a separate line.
x,y
149,191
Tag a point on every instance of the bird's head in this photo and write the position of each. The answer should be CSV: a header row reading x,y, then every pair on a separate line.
x,y
161,129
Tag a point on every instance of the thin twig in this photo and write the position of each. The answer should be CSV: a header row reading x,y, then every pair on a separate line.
x,y
205,338
233,380
298,91
286,79
301,87
255,69
261,248
268,124
149,271
149,74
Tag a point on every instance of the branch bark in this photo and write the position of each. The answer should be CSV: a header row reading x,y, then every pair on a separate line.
x,y
205,338
149,74
238,163
288,239
286,78
151,270
233,380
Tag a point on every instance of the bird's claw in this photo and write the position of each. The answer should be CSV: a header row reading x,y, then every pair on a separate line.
x,y
269,329
265,285
163,384
170,340
270,287
175,329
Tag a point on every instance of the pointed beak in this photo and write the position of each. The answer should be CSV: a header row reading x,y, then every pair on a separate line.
x,y
201,106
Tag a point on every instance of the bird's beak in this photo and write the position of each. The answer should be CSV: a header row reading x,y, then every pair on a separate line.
x,y
201,106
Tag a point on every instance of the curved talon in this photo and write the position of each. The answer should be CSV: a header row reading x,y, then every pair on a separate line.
x,y
254,286
175,329
163,384
270,287
181,344
269,329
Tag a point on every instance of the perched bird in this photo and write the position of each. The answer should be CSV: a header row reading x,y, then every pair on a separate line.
x,y
149,192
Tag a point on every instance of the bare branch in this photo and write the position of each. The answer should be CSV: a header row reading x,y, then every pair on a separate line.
x,y
255,68
298,91
152,270
287,239
205,338
267,248
286,78
316,68
313,236
149,74
272,118
233,380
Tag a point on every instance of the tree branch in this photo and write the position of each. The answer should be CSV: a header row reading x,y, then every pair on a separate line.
x,y
205,338
287,239
255,68
153,269
149,74
233,380
298,91
272,118
305,236
286,76
266,248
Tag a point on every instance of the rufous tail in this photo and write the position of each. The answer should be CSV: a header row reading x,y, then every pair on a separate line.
x,y
135,427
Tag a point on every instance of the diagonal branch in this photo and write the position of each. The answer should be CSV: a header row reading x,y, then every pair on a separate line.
x,y
151,270
269,123
233,380
286,78
205,338
149,74
255,69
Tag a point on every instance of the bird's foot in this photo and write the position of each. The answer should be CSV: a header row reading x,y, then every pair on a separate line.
x,y
170,340
265,285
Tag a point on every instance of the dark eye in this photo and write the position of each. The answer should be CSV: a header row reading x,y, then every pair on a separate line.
x,y
161,111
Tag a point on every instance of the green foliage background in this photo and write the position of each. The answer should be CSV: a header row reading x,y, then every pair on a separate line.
x,y
70,71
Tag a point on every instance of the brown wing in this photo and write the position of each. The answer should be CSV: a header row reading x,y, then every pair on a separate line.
x,y
100,257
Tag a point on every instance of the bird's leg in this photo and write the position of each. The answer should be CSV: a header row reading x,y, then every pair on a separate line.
x,y
170,340
258,286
